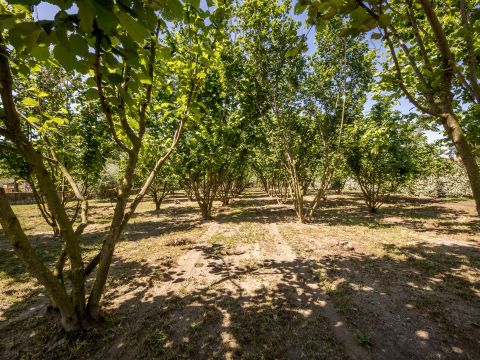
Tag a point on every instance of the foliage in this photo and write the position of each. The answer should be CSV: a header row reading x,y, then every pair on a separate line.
x,y
383,152
214,152
303,103
433,61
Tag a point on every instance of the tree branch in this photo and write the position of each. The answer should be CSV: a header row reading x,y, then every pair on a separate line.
x,y
400,79
471,57
103,101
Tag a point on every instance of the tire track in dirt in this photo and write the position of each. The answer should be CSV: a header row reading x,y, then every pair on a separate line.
x,y
285,253
243,270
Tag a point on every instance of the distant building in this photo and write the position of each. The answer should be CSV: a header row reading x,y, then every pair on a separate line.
x,y
14,185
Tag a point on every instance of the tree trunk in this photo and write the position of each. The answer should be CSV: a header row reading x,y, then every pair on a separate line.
x,y
118,222
47,187
464,149
158,203
15,234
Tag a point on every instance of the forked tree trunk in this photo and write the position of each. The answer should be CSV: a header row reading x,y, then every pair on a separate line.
x,y
205,188
159,195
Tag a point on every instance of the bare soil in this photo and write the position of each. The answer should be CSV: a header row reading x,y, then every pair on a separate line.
x,y
255,284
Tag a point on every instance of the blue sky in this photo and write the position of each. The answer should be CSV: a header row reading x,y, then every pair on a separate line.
x,y
48,11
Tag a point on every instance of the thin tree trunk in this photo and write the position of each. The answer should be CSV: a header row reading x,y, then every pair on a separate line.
x,y
45,183
108,247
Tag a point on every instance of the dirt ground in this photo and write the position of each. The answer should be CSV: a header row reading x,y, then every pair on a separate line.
x,y
255,284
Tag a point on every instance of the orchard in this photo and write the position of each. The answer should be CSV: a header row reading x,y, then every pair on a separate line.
x,y
240,179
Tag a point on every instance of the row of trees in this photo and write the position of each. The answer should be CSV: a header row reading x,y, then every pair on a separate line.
x,y
294,121
433,61
204,98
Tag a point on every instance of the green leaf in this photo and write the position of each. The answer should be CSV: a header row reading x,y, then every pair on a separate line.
x,y
86,15
65,58
336,3
24,36
7,21
165,52
218,14
384,20
115,78
41,53
30,102
58,120
299,8
33,119
106,19
295,51
136,30
91,93
359,16
79,45
172,10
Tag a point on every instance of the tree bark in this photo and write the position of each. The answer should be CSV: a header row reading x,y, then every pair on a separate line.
x,y
23,249
455,132
116,227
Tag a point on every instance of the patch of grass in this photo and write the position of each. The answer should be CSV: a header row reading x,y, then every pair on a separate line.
x,y
219,238
160,344
363,340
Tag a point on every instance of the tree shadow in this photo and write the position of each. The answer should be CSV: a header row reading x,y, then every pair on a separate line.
x,y
418,214
419,301
257,207
152,229
228,318
413,303
397,301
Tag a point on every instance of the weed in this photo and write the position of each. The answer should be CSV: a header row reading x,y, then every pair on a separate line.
x,y
363,340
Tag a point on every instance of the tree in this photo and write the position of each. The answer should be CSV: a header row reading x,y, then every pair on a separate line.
x,y
303,105
384,152
277,69
433,61
167,180
340,76
213,155
122,52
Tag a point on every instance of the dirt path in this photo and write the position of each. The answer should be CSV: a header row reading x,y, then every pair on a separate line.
x,y
240,282
184,271
344,334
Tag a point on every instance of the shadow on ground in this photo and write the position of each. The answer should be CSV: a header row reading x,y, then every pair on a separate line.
x,y
348,209
398,306
409,304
